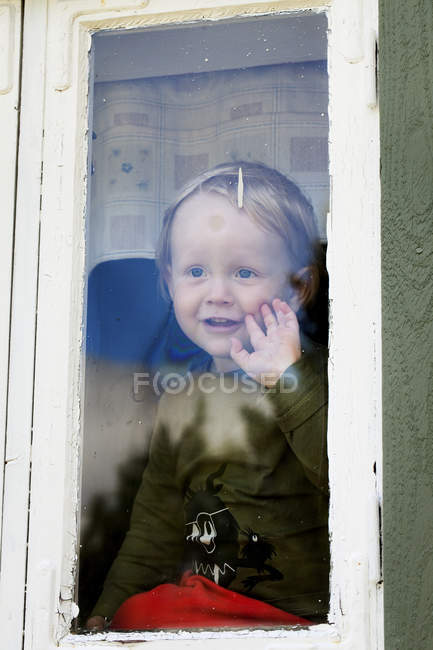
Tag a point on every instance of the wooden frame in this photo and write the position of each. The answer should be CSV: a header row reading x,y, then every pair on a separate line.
x,y
10,36
50,228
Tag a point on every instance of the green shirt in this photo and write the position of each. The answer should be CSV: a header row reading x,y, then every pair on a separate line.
x,y
236,490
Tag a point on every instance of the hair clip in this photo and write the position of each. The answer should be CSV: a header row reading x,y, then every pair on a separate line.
x,y
240,189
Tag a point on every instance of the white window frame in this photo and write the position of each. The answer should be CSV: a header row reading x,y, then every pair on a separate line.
x,y
44,416
10,49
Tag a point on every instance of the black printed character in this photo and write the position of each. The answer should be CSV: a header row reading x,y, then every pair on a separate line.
x,y
212,546
255,554
212,540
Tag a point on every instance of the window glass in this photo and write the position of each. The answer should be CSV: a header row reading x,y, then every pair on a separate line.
x,y
205,398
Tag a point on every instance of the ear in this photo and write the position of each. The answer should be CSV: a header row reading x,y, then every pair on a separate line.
x,y
304,284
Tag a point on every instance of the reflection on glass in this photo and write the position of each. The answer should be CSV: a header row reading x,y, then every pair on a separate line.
x,y
206,329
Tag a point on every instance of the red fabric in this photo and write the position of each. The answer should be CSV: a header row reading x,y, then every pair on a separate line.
x,y
197,602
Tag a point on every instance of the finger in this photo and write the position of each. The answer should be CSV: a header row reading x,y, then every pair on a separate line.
x,y
268,317
236,345
285,314
284,306
276,303
254,330
238,353
278,306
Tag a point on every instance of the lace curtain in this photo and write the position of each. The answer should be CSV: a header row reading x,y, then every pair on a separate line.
x,y
151,135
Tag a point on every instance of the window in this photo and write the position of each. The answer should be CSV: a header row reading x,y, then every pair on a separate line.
x,y
263,99
354,432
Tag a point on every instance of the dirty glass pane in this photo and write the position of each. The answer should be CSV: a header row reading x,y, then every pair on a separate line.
x,y
206,327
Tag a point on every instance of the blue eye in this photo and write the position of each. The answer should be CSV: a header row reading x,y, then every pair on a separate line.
x,y
196,272
245,274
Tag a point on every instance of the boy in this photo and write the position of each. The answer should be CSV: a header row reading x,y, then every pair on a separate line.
x,y
235,490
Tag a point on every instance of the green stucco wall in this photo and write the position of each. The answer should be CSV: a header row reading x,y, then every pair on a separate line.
x,y
406,106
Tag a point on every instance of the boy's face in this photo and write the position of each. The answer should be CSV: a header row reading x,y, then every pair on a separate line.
x,y
224,267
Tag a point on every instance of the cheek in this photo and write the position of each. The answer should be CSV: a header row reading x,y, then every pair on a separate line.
x,y
184,301
253,298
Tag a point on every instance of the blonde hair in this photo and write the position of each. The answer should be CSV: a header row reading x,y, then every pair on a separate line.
x,y
273,202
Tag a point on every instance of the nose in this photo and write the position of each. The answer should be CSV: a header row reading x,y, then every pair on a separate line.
x,y
219,292
206,539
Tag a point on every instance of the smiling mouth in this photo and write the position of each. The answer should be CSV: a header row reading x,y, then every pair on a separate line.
x,y
221,322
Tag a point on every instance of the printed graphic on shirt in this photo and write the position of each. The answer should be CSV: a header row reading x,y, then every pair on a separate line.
x,y
213,546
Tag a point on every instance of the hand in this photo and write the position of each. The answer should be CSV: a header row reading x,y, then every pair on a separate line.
x,y
96,624
274,351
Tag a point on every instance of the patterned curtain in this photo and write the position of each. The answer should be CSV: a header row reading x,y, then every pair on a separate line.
x,y
151,135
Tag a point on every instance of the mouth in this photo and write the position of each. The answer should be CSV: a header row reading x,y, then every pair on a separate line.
x,y
218,325
212,571
221,322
